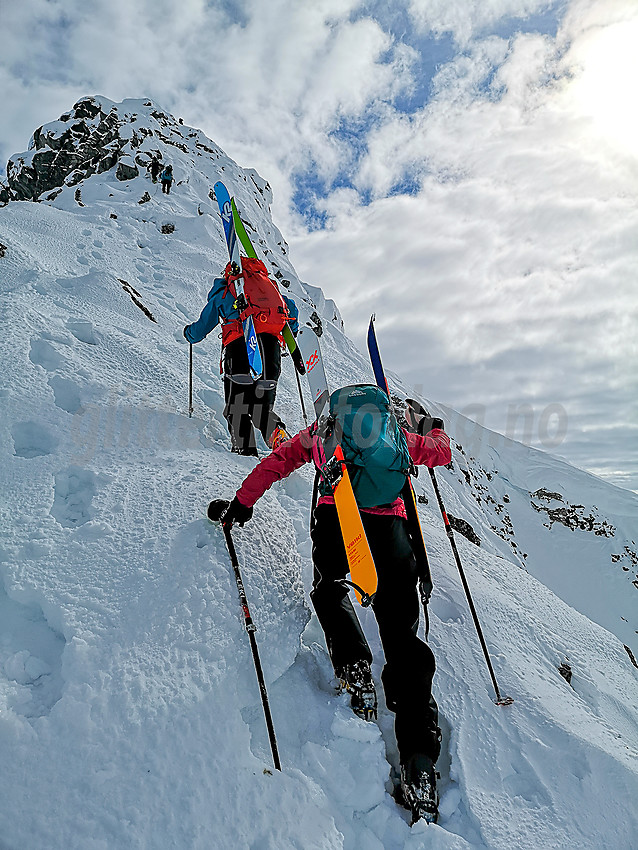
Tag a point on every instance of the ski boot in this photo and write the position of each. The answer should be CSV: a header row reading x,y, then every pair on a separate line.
x,y
248,451
278,436
356,679
418,789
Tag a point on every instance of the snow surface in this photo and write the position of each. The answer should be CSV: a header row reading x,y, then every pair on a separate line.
x,y
129,710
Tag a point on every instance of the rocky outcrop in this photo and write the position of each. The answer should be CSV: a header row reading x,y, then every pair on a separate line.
x,y
463,527
126,169
574,517
90,139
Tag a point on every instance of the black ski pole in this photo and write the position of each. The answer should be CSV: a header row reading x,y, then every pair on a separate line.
x,y
190,383
251,629
303,406
448,528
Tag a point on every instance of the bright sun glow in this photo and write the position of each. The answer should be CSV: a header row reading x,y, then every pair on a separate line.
x,y
605,89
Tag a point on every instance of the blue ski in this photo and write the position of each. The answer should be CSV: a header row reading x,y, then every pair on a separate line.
x,y
409,498
250,335
375,358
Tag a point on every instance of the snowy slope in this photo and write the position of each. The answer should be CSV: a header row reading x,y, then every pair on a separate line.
x,y
129,712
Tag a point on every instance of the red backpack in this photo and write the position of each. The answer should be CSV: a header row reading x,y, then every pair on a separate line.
x,y
265,303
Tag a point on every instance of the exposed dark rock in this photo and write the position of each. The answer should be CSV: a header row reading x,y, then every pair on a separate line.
x,y
631,655
136,299
566,672
144,199
126,171
547,495
74,178
575,518
168,227
85,141
3,250
107,162
86,108
317,326
463,527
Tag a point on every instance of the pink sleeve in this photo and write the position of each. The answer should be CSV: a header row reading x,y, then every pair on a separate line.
x,y
431,450
277,465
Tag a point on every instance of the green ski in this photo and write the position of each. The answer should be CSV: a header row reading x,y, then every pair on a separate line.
x,y
247,245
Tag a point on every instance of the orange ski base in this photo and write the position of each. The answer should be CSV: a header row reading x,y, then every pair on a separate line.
x,y
360,560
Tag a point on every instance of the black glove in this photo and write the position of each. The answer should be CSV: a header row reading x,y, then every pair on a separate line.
x,y
184,332
430,422
237,514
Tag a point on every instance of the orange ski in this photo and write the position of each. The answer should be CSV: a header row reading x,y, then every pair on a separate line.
x,y
360,560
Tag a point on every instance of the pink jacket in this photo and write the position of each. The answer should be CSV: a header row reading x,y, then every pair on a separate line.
x,y
431,450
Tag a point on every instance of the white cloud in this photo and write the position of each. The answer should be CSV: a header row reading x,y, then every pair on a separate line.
x,y
467,19
510,277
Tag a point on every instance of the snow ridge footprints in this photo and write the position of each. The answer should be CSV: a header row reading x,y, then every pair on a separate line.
x,y
30,659
32,439
74,491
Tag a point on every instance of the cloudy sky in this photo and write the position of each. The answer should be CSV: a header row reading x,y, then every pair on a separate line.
x,y
466,169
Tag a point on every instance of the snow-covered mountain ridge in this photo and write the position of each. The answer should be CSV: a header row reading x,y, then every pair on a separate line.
x,y
129,715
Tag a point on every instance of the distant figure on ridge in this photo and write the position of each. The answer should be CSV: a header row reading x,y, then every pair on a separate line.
x,y
167,179
248,402
155,169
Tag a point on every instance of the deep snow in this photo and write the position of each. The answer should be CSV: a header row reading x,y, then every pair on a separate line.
x,y
129,711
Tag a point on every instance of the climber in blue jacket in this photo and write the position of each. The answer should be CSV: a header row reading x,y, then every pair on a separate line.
x,y
249,402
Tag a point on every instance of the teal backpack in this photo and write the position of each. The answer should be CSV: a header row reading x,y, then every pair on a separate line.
x,y
374,445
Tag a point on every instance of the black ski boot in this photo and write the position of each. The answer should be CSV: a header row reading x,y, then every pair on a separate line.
x,y
418,788
356,679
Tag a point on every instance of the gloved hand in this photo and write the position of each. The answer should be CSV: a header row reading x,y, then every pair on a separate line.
x,y
237,514
428,423
184,332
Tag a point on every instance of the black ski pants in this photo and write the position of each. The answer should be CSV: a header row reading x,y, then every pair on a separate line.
x,y
166,186
250,403
409,661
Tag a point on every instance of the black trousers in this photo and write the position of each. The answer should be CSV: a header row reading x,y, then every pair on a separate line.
x,y
409,661
250,403
166,186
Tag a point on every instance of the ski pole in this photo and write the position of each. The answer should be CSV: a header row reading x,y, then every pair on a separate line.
x,y
190,383
448,528
251,629
303,406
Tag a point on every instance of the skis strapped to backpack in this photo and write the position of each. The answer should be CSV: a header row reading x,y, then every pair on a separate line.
x,y
262,300
252,345
286,333
409,498
333,473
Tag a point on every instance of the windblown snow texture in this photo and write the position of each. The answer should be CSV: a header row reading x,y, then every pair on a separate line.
x,y
129,710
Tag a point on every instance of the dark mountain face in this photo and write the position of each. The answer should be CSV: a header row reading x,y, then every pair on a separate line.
x,y
95,136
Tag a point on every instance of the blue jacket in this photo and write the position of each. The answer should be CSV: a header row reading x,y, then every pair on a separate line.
x,y
220,307
166,175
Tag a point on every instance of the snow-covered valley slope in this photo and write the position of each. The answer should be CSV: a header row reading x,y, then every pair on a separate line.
x,y
129,711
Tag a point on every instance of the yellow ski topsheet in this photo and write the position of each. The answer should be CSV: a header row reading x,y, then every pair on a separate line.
x,y
360,560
